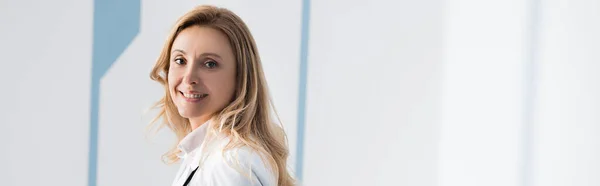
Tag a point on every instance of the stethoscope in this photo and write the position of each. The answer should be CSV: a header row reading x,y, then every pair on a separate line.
x,y
187,181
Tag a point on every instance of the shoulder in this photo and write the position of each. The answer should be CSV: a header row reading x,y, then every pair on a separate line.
x,y
239,166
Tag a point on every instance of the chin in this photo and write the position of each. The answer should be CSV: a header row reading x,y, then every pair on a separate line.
x,y
188,115
191,113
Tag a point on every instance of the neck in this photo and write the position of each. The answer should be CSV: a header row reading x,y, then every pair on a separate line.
x,y
197,122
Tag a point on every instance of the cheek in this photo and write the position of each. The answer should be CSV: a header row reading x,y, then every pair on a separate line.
x,y
230,85
225,87
171,82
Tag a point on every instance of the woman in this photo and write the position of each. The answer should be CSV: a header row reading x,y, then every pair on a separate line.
x,y
216,102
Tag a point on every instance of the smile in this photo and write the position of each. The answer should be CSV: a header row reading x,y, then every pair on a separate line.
x,y
193,97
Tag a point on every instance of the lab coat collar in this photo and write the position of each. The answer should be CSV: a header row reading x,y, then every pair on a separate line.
x,y
193,140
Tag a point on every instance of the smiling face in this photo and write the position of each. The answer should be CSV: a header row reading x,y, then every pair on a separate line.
x,y
201,76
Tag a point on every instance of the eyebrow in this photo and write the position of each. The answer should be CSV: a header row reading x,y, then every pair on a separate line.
x,y
203,54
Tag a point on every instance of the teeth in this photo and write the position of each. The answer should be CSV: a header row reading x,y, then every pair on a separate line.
x,y
194,95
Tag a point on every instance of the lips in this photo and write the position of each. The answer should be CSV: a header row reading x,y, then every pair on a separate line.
x,y
193,96
199,95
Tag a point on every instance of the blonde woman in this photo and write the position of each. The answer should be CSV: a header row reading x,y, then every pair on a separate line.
x,y
216,101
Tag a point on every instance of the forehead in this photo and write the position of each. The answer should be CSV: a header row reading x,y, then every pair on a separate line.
x,y
200,39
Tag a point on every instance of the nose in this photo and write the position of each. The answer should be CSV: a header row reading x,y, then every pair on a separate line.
x,y
191,76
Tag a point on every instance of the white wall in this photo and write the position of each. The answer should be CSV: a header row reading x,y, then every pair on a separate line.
x,y
567,121
44,114
481,127
374,81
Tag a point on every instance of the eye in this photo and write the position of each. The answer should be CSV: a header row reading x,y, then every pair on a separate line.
x,y
210,64
179,61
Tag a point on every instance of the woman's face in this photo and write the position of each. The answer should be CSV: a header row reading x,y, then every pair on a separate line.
x,y
201,73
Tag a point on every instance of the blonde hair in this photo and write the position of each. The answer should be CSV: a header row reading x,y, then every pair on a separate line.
x,y
247,120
